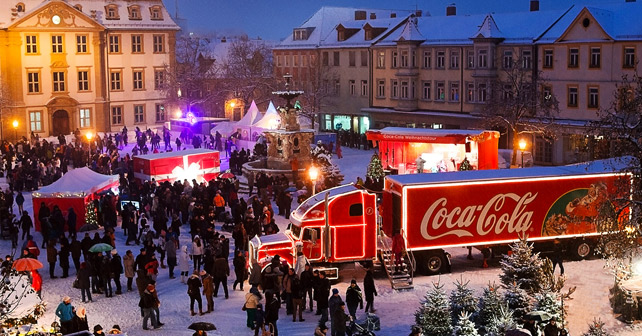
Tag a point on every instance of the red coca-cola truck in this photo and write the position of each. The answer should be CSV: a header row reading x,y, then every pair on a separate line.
x,y
435,211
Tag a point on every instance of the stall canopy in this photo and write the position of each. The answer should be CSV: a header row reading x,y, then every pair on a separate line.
x,y
73,190
270,121
441,150
251,116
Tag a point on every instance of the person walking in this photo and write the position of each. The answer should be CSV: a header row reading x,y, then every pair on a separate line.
x,y
296,297
306,286
197,252
239,269
52,257
259,320
194,291
20,200
221,272
208,290
148,303
76,251
557,257
370,290
170,249
129,268
252,300
354,298
183,263
116,264
83,282
63,256
323,292
64,312
272,306
26,223
71,222
255,275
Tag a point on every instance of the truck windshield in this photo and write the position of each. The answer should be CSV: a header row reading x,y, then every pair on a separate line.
x,y
296,231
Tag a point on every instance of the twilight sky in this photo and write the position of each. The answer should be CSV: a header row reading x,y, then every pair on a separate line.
x,y
274,19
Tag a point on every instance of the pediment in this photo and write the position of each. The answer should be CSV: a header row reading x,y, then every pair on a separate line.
x,y
586,27
56,15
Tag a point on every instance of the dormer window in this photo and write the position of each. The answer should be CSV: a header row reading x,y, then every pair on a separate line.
x,y
300,34
20,7
134,13
111,12
156,13
78,7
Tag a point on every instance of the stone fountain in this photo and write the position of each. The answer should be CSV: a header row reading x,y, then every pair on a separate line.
x,y
289,141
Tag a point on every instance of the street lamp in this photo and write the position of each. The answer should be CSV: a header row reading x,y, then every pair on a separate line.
x,y
232,104
89,136
15,129
522,146
313,172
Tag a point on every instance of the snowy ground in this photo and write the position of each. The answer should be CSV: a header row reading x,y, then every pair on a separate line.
x,y
396,309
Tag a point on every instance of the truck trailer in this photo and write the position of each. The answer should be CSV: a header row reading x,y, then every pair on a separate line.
x,y
435,211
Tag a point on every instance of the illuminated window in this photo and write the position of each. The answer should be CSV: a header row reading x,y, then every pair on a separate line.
x,y
59,81
81,44
33,81
139,82
114,44
139,114
35,121
470,92
83,80
160,113
117,115
159,44
85,117
31,44
137,44
56,44
381,59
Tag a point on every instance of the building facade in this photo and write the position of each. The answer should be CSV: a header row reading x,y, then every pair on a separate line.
x,y
93,65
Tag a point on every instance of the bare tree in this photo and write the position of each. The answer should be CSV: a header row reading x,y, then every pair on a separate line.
x,y
520,103
5,103
320,93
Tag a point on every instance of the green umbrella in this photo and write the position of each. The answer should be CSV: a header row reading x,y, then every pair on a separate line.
x,y
538,316
101,247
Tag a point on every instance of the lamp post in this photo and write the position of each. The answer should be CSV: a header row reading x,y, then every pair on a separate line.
x,y
89,136
15,129
313,172
522,146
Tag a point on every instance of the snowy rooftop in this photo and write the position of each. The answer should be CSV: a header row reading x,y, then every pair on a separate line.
x,y
177,153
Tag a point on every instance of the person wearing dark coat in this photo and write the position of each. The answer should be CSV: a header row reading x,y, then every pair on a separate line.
x,y
306,286
83,281
239,269
141,260
75,247
43,216
334,303
323,292
272,306
148,303
116,265
551,328
194,291
71,222
63,256
221,272
295,296
369,290
105,275
79,321
26,223
86,243
354,298
52,257
339,319
259,320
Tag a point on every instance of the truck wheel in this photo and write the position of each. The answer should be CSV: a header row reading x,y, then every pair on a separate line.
x,y
583,249
434,263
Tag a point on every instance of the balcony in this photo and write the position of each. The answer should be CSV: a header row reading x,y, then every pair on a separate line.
x,y
407,104
485,73
407,72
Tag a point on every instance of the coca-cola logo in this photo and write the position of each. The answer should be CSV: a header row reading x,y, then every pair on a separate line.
x,y
503,212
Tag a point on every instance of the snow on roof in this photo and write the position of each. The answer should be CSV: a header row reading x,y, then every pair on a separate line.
x,y
488,29
594,167
165,155
81,181
427,131
98,7
410,32
251,116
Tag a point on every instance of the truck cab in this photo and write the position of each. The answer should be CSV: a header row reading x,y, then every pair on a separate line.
x,y
337,225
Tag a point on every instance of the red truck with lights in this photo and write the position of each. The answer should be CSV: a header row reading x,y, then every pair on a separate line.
x,y
435,211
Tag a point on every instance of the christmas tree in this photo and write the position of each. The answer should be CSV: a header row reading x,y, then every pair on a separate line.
x,y
465,165
375,169
330,175
550,303
462,300
596,328
90,214
523,267
490,306
464,326
517,300
433,315
501,323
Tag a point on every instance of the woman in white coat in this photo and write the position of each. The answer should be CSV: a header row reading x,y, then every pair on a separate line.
x,y
183,263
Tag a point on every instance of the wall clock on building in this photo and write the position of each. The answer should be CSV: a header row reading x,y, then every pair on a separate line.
x,y
55,19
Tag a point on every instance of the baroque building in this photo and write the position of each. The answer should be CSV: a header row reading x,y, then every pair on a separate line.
x,y
95,65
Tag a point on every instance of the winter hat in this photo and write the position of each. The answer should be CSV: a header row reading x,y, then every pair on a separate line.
x,y
66,299
353,281
335,291
98,327
114,252
81,312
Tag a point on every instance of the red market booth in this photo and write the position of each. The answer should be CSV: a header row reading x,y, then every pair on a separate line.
x,y
73,190
200,164
441,149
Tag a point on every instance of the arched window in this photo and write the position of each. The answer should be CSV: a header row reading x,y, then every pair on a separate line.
x,y
111,12
156,12
134,12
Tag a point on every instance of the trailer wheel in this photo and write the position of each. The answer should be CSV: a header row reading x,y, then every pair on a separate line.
x,y
434,263
583,249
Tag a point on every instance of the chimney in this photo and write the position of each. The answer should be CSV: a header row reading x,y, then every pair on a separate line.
x,y
393,15
451,10
373,16
418,13
535,5
630,0
359,15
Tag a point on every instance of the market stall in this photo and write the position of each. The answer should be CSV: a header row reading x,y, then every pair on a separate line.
x,y
440,150
73,190
200,164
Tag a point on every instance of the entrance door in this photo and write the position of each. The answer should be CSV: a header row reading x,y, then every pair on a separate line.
x,y
60,123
